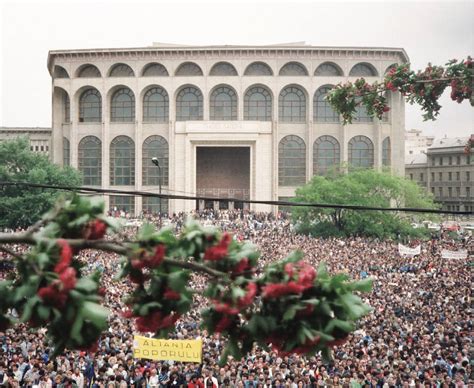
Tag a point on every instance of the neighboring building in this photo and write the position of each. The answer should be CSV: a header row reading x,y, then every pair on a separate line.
x,y
40,137
416,143
247,122
447,171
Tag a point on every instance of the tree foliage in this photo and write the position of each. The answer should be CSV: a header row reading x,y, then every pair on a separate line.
x,y
362,188
288,306
22,206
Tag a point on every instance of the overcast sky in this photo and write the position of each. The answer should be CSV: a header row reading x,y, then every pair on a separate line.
x,y
428,31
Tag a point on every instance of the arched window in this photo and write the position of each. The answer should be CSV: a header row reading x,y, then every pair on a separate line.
x,y
90,106
89,71
155,147
363,70
67,108
258,68
121,70
189,104
66,152
258,104
223,69
156,105
223,104
188,69
60,72
292,105
326,154
293,69
361,152
291,161
155,70
322,109
386,152
122,161
328,69
122,107
90,160
361,114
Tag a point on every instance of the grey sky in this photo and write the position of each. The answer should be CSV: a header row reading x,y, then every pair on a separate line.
x,y
429,31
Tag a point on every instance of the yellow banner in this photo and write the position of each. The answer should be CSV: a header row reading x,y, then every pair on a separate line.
x,y
159,349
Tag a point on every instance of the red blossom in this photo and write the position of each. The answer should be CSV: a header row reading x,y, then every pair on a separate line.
x,y
127,313
289,269
52,296
306,275
223,324
391,86
65,256
386,108
149,323
225,308
138,264
275,290
219,251
96,230
158,257
102,291
241,266
68,278
171,294
169,320
247,300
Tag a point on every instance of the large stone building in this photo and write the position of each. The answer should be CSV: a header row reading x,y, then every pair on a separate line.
x,y
39,137
247,122
446,171
416,143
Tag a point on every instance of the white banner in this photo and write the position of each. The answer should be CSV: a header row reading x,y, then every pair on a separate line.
x,y
407,251
459,255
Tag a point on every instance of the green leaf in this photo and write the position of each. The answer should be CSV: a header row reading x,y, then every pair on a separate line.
x,y
178,279
364,285
146,232
96,313
28,308
237,293
77,326
354,305
145,309
337,323
43,312
86,285
290,313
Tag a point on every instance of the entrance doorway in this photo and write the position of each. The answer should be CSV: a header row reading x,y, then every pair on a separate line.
x,y
222,172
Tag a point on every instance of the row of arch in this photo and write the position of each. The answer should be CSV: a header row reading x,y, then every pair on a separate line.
x,y
223,105
191,69
291,158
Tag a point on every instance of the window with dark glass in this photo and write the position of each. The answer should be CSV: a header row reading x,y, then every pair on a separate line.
x,y
122,161
67,108
326,154
122,70
363,70
258,104
223,69
155,70
328,69
188,69
89,71
292,105
291,161
155,147
361,152
156,105
90,160
223,104
189,105
293,69
322,109
90,106
151,205
123,106
122,203
258,69
66,152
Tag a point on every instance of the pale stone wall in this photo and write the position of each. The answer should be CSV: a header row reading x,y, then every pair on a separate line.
x,y
184,137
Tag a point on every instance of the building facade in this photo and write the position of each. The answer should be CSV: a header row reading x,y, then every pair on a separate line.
x,y
39,137
446,171
416,143
246,122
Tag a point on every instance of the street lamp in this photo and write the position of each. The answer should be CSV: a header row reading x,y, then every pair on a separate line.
x,y
156,162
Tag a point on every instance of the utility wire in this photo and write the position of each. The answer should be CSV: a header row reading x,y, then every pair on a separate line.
x,y
85,189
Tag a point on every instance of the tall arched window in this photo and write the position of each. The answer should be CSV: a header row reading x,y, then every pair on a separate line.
x,y
123,106
326,154
121,70
328,69
155,70
60,72
223,69
89,71
90,160
361,152
90,106
293,69
322,109
67,108
189,104
66,152
361,114
188,69
363,70
292,105
258,69
155,147
122,161
386,152
291,161
258,104
156,105
223,104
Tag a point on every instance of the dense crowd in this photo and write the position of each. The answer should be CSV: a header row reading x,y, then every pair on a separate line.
x,y
419,333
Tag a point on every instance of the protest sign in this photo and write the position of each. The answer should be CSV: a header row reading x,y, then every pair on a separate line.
x,y
160,349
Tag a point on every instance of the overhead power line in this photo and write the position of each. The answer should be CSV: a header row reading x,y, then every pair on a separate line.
x,y
87,190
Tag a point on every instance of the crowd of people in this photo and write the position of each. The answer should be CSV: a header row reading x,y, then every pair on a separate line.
x,y
418,335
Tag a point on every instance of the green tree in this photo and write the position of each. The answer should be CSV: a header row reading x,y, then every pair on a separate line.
x,y
21,206
361,188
